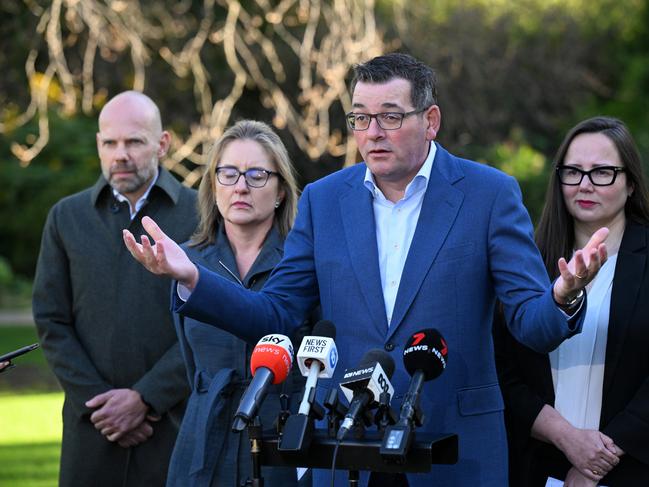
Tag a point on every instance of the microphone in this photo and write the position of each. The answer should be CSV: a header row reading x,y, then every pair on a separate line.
x,y
317,358
270,363
364,384
424,357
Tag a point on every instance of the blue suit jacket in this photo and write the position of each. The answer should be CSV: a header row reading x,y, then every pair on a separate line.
x,y
473,243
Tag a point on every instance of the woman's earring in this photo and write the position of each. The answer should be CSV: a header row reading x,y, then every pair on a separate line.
x,y
277,203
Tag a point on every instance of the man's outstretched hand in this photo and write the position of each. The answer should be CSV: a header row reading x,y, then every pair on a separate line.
x,y
164,257
582,268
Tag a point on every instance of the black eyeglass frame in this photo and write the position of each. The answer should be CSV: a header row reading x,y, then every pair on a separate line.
x,y
351,115
615,169
245,175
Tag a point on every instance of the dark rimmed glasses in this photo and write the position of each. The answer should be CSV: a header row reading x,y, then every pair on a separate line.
x,y
386,120
599,176
254,177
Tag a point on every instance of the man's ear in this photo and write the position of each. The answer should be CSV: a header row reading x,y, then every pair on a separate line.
x,y
434,117
163,144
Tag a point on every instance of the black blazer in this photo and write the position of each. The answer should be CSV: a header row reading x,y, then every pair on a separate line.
x,y
526,381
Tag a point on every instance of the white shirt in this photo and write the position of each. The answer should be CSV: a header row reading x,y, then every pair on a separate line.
x,y
578,363
395,227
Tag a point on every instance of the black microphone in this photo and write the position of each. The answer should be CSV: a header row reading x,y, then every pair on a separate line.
x,y
114,207
270,363
424,357
364,384
317,358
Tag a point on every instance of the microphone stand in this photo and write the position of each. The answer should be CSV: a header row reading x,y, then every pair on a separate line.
x,y
255,436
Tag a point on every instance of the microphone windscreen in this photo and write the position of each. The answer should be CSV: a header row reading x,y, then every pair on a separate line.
x,y
324,328
378,355
274,352
426,350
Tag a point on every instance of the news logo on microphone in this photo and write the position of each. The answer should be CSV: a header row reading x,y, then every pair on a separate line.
x,y
371,377
426,350
321,349
274,352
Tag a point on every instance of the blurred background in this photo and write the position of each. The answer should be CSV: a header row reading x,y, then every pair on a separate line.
x,y
513,77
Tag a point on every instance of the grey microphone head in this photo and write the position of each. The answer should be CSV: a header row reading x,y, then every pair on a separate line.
x,y
324,328
378,355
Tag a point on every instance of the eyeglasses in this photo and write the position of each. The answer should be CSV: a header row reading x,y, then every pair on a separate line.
x,y
599,176
386,120
255,178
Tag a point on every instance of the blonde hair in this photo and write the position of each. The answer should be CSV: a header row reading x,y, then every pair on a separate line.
x,y
210,217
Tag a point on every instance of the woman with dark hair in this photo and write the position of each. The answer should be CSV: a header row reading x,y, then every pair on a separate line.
x,y
247,202
579,416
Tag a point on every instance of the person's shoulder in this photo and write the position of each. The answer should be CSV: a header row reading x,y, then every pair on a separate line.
x,y
75,201
342,178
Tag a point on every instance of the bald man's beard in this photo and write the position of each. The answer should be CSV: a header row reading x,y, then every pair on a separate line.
x,y
138,178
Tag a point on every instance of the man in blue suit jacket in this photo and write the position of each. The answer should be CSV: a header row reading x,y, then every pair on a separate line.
x,y
413,238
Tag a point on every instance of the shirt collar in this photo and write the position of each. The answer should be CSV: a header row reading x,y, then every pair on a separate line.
x,y
418,183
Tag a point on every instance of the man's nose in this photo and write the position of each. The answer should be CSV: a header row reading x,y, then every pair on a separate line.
x,y
374,130
120,154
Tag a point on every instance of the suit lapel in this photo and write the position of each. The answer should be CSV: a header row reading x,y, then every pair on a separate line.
x,y
360,232
439,210
626,287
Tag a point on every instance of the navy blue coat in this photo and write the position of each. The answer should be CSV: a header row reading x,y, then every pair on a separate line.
x,y
473,243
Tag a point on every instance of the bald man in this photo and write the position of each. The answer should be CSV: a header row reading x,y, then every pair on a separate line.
x,y
104,321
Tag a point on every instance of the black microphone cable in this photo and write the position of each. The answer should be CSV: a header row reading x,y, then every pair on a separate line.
x,y
333,463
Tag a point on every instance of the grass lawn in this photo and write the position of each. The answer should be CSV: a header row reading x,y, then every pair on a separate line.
x,y
30,437
30,415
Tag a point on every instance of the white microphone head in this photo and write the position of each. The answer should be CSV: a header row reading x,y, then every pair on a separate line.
x,y
275,352
320,349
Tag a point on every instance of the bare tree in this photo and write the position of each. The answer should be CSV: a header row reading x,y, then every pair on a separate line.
x,y
295,54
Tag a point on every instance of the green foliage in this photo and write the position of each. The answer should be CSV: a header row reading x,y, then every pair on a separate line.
x,y
530,167
67,164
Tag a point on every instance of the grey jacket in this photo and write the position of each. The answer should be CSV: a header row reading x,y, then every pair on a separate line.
x,y
104,323
208,453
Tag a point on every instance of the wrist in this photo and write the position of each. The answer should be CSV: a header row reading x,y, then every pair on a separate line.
x,y
569,303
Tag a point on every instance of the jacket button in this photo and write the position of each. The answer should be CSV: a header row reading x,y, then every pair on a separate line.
x,y
389,347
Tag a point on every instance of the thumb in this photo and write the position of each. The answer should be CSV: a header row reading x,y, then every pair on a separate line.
x,y
608,443
99,399
153,229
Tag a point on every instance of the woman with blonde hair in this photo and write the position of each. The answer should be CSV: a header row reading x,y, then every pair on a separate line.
x,y
247,202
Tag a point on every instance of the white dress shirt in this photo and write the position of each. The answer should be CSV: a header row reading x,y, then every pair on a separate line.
x,y
395,227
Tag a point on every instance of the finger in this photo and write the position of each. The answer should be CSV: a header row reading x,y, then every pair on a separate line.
x,y
130,242
153,229
590,474
148,251
579,264
597,238
567,279
147,430
153,417
114,436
